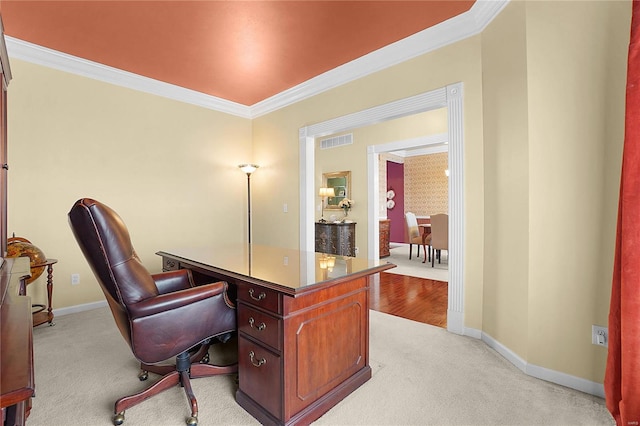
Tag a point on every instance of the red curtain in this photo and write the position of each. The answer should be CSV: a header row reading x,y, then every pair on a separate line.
x,y
622,377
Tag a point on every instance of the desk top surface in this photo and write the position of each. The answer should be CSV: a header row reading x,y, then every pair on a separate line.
x,y
289,270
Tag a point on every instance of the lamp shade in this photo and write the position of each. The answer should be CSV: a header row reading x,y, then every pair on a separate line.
x,y
248,168
327,192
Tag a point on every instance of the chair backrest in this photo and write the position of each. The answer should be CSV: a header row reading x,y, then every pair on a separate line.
x,y
412,226
105,243
440,231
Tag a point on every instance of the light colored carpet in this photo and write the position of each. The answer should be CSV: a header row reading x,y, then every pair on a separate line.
x,y
422,375
415,267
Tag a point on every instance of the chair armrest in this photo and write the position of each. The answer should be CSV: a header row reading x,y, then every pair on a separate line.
x,y
175,300
170,281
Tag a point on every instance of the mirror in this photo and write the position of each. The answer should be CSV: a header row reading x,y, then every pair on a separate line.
x,y
341,184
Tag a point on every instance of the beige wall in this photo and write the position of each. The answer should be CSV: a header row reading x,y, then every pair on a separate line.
x,y
506,250
168,168
543,128
552,164
574,69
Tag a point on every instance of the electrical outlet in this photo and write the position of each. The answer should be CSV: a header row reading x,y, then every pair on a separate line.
x,y
599,335
75,279
356,251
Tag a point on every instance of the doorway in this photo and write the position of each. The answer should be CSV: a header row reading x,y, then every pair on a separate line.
x,y
450,97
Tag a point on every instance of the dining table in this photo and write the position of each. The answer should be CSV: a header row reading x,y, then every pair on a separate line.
x,y
425,231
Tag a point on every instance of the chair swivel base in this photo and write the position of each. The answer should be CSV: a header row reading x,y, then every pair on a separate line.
x,y
180,374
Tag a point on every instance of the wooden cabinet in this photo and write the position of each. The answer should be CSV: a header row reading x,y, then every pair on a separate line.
x,y
384,235
336,238
292,366
16,338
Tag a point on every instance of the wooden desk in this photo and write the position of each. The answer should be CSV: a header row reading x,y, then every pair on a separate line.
x,y
303,329
16,338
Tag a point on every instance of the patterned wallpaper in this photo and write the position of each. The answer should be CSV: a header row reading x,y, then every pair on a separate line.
x,y
426,186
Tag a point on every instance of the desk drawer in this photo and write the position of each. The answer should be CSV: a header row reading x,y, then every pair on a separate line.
x,y
260,326
261,375
259,296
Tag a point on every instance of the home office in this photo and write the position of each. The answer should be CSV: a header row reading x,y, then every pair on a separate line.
x,y
170,168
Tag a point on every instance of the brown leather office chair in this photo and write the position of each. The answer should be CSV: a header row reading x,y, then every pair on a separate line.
x,y
160,316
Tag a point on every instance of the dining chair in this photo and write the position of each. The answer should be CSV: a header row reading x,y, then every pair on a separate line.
x,y
413,232
439,236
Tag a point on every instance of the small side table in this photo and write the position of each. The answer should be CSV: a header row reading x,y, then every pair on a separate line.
x,y
44,313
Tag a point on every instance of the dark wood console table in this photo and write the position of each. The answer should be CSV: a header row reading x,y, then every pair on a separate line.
x,y
16,338
336,238
303,327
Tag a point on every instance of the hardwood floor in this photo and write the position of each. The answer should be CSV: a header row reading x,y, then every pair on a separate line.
x,y
417,299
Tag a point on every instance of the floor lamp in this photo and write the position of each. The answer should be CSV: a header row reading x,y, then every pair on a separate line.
x,y
248,169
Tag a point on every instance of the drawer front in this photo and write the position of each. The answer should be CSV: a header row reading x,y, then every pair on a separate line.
x,y
170,264
259,296
260,326
261,375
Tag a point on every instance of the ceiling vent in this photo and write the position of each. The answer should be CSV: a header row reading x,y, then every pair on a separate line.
x,y
336,141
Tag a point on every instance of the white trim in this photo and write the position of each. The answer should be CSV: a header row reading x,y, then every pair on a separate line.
x,y
564,379
557,377
424,145
455,29
33,53
79,308
450,97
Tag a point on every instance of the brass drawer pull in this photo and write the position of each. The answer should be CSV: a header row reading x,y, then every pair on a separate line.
x,y
260,327
259,363
261,296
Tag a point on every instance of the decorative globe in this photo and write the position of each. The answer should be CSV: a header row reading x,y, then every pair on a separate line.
x,y
20,247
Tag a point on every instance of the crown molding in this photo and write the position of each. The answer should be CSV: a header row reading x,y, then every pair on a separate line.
x,y
455,29
39,55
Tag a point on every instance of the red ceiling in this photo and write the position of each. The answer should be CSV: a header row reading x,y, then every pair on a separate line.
x,y
242,51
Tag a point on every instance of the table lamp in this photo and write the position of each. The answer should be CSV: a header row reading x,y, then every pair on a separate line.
x,y
324,193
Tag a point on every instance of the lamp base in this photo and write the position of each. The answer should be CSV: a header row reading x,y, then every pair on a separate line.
x,y
322,220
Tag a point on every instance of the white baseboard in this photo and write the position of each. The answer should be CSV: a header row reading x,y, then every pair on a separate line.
x,y
538,372
455,322
79,308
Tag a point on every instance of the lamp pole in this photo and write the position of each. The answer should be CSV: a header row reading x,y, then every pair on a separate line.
x,y
248,169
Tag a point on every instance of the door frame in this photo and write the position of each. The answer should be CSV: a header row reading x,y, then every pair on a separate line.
x,y
450,97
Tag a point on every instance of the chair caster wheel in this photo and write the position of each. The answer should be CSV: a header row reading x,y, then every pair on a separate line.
x,y
118,419
192,421
144,375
